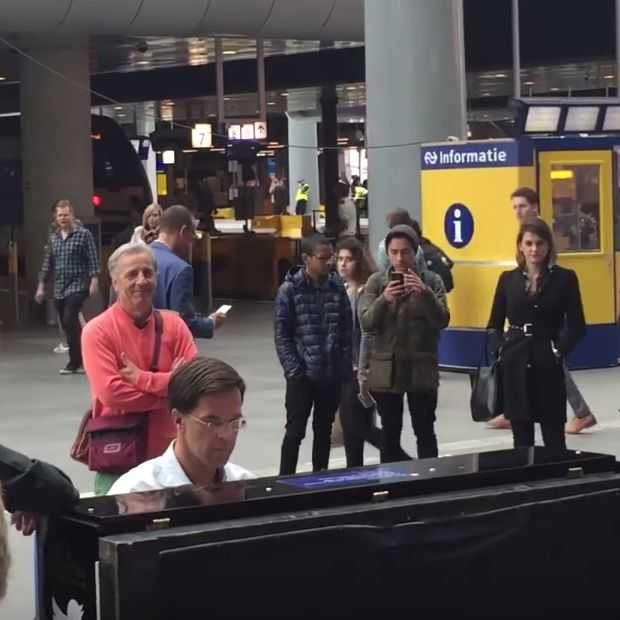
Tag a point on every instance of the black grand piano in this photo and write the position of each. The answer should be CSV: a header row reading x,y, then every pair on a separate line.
x,y
507,534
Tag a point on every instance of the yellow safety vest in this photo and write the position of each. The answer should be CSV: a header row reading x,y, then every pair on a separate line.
x,y
360,192
302,194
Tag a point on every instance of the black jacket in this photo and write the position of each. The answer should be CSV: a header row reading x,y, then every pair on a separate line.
x,y
532,372
34,486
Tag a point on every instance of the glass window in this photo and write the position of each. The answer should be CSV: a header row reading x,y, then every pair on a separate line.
x,y
576,207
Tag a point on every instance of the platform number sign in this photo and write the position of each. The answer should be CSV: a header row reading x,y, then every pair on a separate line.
x,y
201,136
459,225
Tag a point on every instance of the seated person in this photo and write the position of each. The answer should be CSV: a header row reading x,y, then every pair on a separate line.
x,y
205,398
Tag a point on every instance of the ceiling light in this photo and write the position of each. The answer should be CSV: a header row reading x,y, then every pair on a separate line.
x,y
121,115
554,89
609,77
118,107
528,83
486,94
285,94
2,78
500,75
143,62
229,52
271,103
351,87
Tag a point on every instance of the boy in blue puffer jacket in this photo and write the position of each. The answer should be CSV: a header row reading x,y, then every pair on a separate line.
x,y
312,328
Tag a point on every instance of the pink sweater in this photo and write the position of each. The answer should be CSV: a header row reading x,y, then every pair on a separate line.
x,y
113,332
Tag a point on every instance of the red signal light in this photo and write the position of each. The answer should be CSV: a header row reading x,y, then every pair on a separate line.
x,y
97,201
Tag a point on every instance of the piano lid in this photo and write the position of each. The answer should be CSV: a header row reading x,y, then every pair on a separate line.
x,y
338,487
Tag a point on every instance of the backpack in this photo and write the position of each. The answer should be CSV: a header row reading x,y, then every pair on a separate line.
x,y
439,262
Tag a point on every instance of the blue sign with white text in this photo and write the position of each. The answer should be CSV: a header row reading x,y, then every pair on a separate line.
x,y
500,154
459,225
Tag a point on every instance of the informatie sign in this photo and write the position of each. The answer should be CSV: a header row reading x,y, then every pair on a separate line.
x,y
459,226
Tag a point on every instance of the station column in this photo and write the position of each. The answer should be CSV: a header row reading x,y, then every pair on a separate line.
x,y
56,142
414,50
303,161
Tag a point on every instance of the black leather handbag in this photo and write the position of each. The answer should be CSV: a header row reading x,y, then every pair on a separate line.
x,y
486,395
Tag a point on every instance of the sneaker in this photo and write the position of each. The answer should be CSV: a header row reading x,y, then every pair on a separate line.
x,y
576,425
61,348
69,370
499,422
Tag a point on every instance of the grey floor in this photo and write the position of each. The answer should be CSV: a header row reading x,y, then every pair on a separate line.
x,y
40,412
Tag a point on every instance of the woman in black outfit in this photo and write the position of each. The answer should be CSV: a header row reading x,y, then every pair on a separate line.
x,y
542,305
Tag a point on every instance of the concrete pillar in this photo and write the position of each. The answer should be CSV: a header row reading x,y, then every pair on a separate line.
x,y
329,129
56,143
303,162
145,126
413,96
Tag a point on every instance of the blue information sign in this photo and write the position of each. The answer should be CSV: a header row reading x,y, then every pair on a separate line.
x,y
459,225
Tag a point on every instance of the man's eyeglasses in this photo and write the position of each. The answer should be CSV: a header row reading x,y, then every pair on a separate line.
x,y
217,425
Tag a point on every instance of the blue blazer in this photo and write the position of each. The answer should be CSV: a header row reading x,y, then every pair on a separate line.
x,y
175,290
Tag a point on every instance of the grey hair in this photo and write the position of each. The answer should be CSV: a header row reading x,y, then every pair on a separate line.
x,y
128,249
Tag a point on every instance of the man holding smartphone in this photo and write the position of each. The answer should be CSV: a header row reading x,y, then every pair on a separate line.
x,y
403,311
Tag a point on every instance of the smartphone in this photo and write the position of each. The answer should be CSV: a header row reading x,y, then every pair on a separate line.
x,y
223,309
397,277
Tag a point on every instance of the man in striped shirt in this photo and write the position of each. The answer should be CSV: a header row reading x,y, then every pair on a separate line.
x,y
71,256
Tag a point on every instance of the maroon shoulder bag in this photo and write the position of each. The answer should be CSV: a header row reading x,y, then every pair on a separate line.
x,y
114,444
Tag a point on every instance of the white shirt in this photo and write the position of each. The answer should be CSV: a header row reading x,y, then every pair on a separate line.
x,y
165,471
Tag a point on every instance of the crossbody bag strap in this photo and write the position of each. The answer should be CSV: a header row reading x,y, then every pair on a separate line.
x,y
159,331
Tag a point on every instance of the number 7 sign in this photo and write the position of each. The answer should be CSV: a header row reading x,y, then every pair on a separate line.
x,y
201,136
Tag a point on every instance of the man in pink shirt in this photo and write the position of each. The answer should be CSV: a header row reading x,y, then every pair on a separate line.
x,y
118,349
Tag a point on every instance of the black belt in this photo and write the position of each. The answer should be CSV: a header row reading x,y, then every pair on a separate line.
x,y
529,330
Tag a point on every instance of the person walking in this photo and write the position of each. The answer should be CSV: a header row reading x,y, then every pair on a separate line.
x,y
404,310
542,304
71,257
312,330
525,204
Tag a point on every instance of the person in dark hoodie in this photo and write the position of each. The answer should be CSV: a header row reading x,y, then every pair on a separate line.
x,y
312,329
403,311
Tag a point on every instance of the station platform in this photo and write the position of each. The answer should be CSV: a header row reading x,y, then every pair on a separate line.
x,y
41,412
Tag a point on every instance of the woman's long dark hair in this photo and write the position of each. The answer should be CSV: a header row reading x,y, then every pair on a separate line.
x,y
537,227
364,264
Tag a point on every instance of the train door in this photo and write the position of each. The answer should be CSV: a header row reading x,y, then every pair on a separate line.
x,y
577,199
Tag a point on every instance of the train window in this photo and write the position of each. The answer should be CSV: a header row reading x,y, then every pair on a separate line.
x,y
576,207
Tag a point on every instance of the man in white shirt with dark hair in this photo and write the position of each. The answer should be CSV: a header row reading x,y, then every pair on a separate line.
x,y
206,398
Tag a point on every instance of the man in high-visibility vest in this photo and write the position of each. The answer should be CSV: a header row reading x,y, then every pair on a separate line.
x,y
360,197
301,198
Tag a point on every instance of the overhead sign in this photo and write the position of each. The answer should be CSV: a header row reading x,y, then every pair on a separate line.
x,y
255,130
473,155
202,137
459,225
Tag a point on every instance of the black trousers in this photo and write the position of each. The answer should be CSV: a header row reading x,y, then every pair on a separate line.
x,y
552,432
300,207
302,396
422,406
358,425
69,312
